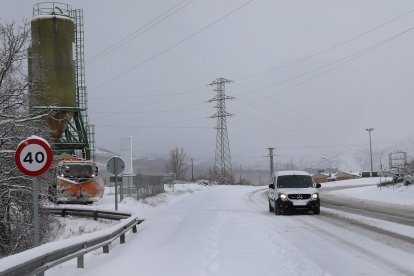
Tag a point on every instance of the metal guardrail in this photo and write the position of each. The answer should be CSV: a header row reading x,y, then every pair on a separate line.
x,y
23,264
86,213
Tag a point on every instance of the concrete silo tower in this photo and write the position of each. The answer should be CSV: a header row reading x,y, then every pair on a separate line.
x,y
57,75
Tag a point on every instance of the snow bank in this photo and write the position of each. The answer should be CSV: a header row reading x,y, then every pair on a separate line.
x,y
357,182
398,194
392,227
36,252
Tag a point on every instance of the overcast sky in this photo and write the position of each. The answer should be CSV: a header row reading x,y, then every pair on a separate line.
x,y
309,76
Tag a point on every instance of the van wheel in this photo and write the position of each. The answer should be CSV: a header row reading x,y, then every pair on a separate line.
x,y
270,208
278,212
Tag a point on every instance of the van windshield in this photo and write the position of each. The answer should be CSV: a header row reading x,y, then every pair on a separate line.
x,y
294,181
77,170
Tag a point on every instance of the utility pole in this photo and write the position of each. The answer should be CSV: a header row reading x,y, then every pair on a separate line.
x,y
381,161
370,147
271,161
192,170
223,173
240,177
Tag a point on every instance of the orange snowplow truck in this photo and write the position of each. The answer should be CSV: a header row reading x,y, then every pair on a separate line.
x,y
78,181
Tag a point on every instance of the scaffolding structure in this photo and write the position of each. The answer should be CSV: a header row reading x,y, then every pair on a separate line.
x,y
81,92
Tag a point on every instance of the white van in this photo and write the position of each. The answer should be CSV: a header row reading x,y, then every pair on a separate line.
x,y
293,190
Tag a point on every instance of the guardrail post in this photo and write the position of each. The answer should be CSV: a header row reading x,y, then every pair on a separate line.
x,y
63,213
134,228
106,249
95,215
81,263
122,238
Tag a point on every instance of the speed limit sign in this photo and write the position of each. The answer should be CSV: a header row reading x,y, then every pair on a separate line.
x,y
34,156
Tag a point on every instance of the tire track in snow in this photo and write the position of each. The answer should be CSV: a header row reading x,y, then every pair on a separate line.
x,y
353,245
281,248
210,262
342,220
389,212
393,242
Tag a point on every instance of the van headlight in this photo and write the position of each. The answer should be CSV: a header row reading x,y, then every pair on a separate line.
x,y
314,196
283,197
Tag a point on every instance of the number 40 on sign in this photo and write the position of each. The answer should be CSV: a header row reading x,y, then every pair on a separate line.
x,y
33,156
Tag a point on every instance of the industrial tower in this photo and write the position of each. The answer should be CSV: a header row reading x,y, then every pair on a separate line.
x,y
223,173
57,70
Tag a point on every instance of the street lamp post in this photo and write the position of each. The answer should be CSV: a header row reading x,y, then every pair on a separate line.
x,y
370,147
381,161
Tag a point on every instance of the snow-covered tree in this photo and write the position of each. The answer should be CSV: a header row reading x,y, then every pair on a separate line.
x,y
16,124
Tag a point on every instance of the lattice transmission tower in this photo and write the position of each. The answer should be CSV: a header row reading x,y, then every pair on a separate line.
x,y
223,173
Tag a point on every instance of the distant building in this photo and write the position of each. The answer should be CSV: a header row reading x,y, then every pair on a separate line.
x,y
320,178
368,174
346,176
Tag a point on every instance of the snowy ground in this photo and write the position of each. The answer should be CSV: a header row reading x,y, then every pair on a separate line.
x,y
75,226
227,230
395,194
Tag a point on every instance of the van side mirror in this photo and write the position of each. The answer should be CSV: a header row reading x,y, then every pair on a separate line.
x,y
318,185
271,186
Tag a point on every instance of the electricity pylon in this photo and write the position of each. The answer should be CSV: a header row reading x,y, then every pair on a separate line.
x,y
223,173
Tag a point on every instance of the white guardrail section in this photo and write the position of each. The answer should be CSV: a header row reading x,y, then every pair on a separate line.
x,y
38,259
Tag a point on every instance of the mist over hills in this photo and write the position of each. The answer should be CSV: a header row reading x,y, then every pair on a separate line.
x,y
348,161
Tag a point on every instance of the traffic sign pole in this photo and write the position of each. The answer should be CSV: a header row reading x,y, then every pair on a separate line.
x,y
116,184
36,223
115,166
33,157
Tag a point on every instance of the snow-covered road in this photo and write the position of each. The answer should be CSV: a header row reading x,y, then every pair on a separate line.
x,y
227,230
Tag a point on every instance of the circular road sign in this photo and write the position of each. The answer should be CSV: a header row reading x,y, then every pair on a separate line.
x,y
33,156
115,165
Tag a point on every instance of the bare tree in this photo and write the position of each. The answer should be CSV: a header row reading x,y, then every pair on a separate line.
x,y
16,124
176,163
290,165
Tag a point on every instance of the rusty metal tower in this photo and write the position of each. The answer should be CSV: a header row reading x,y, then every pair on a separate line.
x,y
223,173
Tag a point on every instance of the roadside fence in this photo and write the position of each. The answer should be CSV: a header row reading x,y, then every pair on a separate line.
x,y
142,186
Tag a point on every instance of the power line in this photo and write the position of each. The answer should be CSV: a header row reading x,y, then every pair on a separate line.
x,y
293,134
172,46
286,117
284,81
338,45
332,66
335,64
148,95
152,127
141,30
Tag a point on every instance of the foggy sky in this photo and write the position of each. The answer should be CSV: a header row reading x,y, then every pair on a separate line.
x,y
304,82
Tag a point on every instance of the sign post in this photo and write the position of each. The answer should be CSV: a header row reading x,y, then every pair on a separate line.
x,y
34,157
115,166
